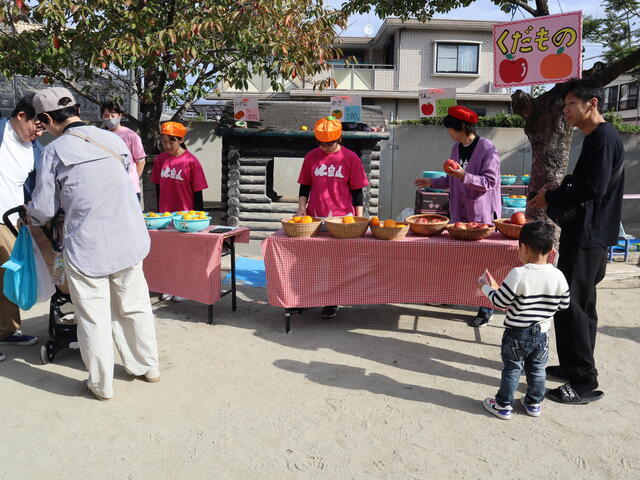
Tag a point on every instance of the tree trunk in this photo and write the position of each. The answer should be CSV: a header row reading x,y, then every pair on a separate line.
x,y
549,135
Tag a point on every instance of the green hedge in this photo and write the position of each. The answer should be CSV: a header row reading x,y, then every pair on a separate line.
x,y
516,121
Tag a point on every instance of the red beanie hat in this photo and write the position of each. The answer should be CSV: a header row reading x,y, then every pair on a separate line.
x,y
463,113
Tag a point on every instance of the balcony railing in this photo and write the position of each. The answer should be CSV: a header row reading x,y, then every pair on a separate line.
x,y
361,76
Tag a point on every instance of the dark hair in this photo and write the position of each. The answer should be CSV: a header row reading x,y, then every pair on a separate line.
x,y
25,105
337,140
585,89
112,107
538,236
61,115
174,138
458,125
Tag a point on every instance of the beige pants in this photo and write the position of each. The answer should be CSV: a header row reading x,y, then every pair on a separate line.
x,y
114,306
9,311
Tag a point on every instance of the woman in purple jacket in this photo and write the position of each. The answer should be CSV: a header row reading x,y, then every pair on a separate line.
x,y
474,188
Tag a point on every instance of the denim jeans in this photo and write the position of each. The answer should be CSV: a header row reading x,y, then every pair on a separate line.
x,y
528,349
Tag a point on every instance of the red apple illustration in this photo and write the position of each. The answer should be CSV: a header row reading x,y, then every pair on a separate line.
x,y
427,108
513,70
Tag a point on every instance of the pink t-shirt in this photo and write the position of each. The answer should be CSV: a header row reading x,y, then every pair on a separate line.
x,y
179,177
134,144
331,177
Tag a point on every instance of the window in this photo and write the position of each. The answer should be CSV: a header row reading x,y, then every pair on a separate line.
x,y
610,99
457,58
628,96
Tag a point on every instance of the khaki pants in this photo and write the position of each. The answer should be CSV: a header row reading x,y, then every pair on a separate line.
x,y
117,307
9,311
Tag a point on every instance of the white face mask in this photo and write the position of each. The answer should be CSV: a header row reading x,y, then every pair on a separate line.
x,y
111,123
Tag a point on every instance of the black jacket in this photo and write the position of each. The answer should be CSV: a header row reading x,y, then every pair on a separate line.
x,y
597,182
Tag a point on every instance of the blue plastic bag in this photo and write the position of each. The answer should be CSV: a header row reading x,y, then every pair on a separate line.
x,y
20,280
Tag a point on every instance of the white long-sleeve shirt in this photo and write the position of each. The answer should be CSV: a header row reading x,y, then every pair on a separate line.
x,y
531,294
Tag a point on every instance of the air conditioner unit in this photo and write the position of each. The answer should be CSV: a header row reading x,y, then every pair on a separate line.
x,y
502,90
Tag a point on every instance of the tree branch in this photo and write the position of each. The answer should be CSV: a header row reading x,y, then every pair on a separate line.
x,y
199,81
523,5
605,74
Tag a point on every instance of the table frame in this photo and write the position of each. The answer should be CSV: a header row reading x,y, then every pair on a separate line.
x,y
228,248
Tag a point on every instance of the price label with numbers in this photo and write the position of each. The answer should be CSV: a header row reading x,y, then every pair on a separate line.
x,y
246,109
347,109
434,102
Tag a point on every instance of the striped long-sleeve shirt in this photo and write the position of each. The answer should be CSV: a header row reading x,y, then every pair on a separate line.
x,y
531,294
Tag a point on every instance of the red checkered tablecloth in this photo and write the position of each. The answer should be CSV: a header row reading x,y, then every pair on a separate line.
x,y
318,271
187,264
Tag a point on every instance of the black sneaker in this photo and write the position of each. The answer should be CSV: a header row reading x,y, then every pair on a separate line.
x,y
329,312
480,320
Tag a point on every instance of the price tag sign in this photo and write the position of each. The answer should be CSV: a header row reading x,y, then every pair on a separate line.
x,y
246,109
347,109
434,102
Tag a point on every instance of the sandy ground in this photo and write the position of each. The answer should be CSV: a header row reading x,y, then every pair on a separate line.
x,y
389,392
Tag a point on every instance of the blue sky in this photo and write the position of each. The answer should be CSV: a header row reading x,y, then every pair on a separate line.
x,y
487,10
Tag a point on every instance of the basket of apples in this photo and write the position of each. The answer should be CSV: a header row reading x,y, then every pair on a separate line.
x,y
469,230
427,224
510,227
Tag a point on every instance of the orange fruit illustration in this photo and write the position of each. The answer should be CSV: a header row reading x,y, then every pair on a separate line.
x,y
556,65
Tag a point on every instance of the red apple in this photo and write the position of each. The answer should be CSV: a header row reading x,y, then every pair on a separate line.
x,y
427,108
450,165
483,225
513,70
518,218
460,225
422,220
472,224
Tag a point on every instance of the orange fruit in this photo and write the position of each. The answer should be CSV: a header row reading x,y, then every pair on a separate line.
x,y
187,217
389,223
166,214
398,225
306,219
348,219
296,220
375,221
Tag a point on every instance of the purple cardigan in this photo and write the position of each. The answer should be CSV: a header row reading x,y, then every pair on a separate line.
x,y
476,198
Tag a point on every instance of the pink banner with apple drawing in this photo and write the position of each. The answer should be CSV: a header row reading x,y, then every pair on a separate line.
x,y
538,50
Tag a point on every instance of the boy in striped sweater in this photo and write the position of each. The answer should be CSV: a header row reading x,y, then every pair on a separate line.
x,y
531,294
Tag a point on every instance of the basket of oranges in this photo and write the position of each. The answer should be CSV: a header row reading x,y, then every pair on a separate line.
x,y
388,229
347,226
470,230
156,221
427,224
191,221
301,227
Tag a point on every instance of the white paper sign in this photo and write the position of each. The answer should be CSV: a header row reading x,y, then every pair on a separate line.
x,y
246,109
347,109
434,102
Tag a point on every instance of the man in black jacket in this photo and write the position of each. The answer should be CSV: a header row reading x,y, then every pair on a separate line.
x,y
593,197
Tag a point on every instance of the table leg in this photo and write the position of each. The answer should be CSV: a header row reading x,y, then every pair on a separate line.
x,y
287,320
210,314
232,247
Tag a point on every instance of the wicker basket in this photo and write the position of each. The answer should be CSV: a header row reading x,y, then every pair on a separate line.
x,y
427,229
510,230
301,230
471,234
390,233
337,229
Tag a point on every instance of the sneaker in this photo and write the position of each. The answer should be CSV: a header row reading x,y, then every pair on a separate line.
x,y
152,375
329,312
533,410
2,357
96,394
18,339
492,406
178,299
165,297
480,320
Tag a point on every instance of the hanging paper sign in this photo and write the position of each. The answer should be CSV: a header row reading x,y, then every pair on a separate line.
x,y
434,102
538,50
347,109
246,109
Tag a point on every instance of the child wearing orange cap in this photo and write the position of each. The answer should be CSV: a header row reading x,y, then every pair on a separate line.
x,y
177,173
331,179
